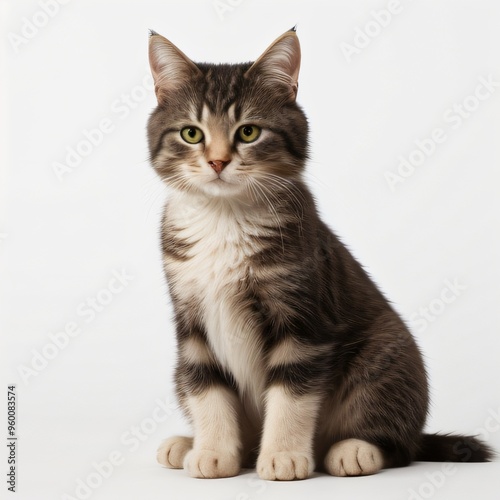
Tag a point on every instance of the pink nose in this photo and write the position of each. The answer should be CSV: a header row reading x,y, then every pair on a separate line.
x,y
218,165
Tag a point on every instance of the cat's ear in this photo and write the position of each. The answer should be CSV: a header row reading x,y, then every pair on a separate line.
x,y
170,67
280,63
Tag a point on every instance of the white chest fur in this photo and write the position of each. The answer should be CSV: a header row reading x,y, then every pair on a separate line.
x,y
220,239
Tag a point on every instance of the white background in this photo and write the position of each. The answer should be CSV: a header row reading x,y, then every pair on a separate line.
x,y
61,239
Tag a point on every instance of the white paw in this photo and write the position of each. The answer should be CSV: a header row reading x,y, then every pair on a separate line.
x,y
211,463
353,457
172,451
284,465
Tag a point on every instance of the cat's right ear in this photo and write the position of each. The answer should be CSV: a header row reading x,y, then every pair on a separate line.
x,y
170,67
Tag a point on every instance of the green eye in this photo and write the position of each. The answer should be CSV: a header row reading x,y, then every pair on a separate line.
x,y
192,135
249,133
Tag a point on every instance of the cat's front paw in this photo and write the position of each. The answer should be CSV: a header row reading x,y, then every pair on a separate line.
x,y
353,457
284,465
172,451
211,464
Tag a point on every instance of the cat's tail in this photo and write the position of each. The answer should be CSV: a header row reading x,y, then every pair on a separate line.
x,y
453,448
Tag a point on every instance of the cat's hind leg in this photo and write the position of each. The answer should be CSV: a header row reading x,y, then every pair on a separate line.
x,y
172,451
353,457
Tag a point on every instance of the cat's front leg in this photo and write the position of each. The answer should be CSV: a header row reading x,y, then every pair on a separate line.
x,y
214,452
216,448
286,451
213,408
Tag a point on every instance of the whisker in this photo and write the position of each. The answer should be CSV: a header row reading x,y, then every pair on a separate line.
x,y
262,190
288,186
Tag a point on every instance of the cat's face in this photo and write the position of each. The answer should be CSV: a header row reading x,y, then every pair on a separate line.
x,y
227,130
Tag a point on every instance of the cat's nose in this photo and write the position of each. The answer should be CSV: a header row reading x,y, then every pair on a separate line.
x,y
218,165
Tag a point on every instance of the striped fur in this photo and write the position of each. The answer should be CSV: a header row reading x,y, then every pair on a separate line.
x,y
289,356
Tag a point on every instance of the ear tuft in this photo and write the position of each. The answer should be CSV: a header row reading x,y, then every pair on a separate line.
x,y
170,67
280,64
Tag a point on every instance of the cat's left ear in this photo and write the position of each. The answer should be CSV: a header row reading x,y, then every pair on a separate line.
x,y
280,63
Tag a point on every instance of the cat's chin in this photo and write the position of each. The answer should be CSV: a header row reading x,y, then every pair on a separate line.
x,y
222,189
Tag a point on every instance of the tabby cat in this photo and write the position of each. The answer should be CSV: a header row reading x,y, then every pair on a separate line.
x,y
289,357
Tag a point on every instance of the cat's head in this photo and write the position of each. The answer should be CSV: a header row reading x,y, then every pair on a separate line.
x,y
229,130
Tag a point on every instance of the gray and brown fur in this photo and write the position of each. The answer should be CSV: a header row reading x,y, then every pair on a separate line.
x,y
290,358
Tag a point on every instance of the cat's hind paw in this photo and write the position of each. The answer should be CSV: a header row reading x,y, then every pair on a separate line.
x,y
210,464
172,451
284,465
353,457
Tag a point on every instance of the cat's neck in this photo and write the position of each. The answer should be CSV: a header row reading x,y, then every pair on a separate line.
x,y
199,203
187,209
289,196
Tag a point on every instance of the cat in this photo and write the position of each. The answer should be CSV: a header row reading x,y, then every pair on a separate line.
x,y
290,359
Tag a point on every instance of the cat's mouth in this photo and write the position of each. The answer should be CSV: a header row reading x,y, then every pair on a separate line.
x,y
218,183
222,186
219,180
